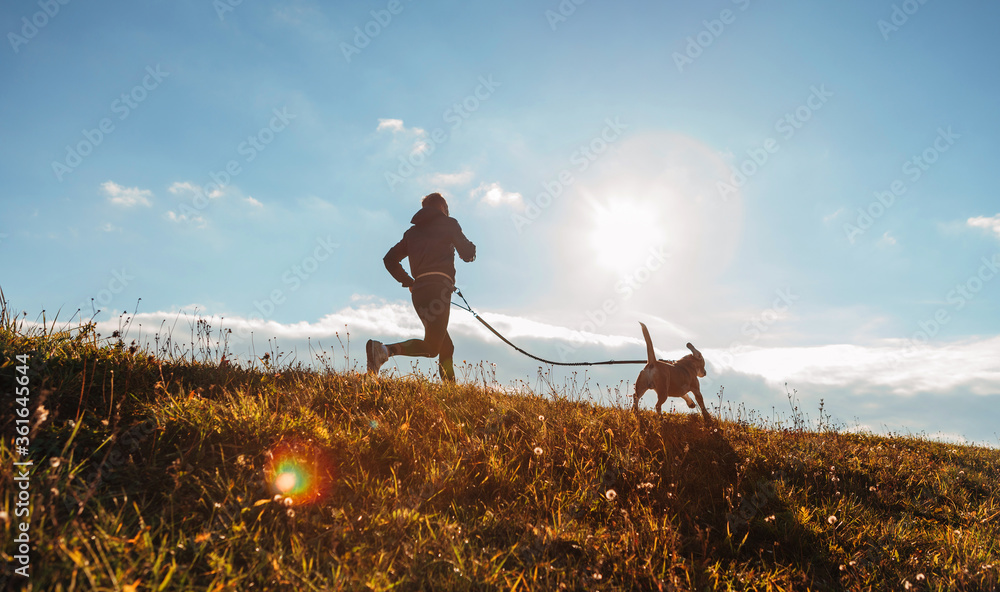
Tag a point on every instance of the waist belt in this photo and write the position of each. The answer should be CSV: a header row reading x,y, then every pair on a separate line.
x,y
441,273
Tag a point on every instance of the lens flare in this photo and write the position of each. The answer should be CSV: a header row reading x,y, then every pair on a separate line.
x,y
300,471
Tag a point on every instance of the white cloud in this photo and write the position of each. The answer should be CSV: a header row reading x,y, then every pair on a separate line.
x,y
989,223
890,366
187,188
393,125
199,221
451,179
894,364
178,188
887,239
397,128
833,216
494,195
188,192
107,227
126,196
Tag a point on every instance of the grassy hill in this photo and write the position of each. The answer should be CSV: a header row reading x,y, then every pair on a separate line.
x,y
155,472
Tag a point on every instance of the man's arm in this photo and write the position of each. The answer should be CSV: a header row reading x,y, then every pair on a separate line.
x,y
466,250
396,254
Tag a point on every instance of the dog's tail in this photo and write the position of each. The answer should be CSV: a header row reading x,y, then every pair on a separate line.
x,y
650,355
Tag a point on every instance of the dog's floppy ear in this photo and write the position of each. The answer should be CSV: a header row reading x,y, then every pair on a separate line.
x,y
696,353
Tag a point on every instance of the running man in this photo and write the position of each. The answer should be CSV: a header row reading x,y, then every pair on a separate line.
x,y
430,244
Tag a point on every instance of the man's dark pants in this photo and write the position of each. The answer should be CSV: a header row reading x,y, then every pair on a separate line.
x,y
431,298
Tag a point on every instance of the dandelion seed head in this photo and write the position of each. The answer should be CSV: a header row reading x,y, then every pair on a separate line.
x,y
920,577
290,512
832,520
538,450
611,494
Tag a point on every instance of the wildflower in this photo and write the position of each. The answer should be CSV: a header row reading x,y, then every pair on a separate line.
x,y
611,494
217,505
597,575
541,418
907,585
832,520
290,512
54,462
277,498
288,501
538,450
920,577
646,486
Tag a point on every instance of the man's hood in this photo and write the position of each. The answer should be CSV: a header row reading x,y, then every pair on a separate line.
x,y
425,215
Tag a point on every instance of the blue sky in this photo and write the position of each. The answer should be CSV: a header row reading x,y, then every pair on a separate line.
x,y
723,171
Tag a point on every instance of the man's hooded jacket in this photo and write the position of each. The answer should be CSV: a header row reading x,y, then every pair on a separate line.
x,y
430,245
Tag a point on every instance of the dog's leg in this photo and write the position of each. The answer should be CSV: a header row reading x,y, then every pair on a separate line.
x,y
661,398
688,400
701,401
641,386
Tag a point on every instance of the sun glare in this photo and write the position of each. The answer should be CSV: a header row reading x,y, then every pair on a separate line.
x,y
624,234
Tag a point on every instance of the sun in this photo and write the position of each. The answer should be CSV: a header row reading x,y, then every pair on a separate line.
x,y
625,233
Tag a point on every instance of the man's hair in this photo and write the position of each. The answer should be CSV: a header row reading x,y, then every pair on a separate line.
x,y
433,200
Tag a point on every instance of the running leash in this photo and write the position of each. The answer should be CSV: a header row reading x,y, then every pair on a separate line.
x,y
532,356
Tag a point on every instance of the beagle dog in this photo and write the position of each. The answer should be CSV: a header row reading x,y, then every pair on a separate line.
x,y
670,379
